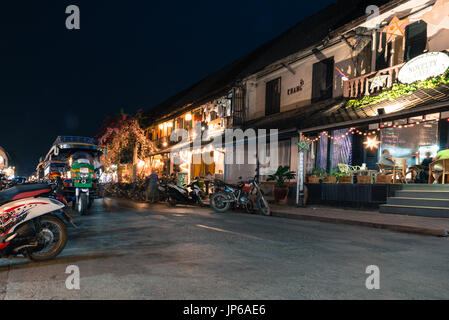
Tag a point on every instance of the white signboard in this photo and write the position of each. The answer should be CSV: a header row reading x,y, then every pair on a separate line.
x,y
427,65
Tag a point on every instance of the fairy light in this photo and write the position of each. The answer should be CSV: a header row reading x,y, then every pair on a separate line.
x,y
355,131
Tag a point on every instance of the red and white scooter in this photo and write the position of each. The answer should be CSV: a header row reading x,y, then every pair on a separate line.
x,y
32,222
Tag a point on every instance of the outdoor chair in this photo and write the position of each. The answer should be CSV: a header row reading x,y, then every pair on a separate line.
x,y
399,170
444,165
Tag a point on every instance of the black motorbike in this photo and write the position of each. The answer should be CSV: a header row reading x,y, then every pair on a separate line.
x,y
191,194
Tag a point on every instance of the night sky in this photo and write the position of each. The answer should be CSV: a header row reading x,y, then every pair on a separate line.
x,y
127,54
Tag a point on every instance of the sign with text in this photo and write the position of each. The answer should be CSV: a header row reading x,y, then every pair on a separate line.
x,y
423,67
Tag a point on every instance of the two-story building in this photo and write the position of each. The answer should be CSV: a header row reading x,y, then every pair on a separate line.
x,y
352,80
377,82
234,97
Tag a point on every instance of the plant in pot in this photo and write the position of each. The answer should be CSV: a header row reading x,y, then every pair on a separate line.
x,y
281,175
364,178
316,175
332,178
344,177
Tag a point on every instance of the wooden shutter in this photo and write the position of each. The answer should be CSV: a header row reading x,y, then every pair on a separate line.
x,y
273,97
323,76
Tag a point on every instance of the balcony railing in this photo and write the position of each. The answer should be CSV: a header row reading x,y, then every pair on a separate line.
x,y
362,86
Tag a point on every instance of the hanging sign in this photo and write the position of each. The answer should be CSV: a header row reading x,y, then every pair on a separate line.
x,y
427,65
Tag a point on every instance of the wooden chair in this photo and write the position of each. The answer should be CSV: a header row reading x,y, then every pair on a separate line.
x,y
400,170
444,163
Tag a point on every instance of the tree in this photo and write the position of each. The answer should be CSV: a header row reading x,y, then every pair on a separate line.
x,y
125,142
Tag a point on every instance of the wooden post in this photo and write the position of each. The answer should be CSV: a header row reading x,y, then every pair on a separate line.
x,y
300,176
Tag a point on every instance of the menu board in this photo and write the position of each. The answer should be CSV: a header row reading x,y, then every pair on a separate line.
x,y
406,142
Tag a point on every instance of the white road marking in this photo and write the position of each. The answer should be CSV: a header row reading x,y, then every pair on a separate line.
x,y
227,231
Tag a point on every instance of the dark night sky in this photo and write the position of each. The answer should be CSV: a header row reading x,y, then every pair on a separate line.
x,y
128,54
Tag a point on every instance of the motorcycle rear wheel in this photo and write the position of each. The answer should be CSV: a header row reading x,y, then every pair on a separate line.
x,y
54,236
216,202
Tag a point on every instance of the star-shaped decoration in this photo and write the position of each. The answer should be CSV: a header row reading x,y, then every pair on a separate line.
x,y
303,145
371,143
396,27
378,81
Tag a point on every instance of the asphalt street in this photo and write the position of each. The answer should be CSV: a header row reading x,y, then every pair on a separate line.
x,y
194,253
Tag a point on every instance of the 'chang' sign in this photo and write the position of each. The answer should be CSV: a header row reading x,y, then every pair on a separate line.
x,y
425,66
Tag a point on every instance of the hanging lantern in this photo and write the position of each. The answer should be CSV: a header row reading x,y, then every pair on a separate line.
x,y
371,143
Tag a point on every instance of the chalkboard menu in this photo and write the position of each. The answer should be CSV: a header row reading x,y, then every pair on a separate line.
x,y
404,142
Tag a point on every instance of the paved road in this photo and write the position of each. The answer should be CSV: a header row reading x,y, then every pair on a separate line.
x,y
192,253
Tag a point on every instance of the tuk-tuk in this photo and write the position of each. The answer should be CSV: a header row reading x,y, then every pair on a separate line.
x,y
77,159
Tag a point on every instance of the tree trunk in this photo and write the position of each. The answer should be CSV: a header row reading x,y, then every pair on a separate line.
x,y
135,163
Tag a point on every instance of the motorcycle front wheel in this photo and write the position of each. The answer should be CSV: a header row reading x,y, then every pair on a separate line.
x,y
262,205
52,238
218,202
83,202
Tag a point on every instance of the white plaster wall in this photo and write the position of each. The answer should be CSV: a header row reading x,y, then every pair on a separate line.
x,y
303,70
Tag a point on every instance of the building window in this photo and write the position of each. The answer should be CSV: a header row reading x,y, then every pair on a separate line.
x,y
323,74
273,97
415,39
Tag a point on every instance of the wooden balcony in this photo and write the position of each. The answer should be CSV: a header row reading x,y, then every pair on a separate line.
x,y
361,86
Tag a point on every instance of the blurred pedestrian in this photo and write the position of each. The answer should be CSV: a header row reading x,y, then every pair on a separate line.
x,y
152,187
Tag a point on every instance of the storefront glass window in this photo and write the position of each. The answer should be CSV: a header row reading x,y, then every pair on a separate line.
x,y
410,142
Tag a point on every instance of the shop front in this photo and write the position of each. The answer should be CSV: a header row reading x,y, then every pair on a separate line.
x,y
357,153
345,164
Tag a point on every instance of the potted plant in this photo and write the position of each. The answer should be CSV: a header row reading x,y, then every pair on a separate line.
x,y
316,175
332,178
280,188
384,178
363,178
344,177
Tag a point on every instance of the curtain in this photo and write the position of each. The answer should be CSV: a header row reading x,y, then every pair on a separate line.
x,y
341,148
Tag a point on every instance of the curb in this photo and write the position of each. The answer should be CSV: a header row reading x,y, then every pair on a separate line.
x,y
378,225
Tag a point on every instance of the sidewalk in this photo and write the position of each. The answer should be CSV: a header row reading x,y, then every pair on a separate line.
x,y
374,219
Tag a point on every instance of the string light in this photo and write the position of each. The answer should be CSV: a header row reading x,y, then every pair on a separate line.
x,y
354,131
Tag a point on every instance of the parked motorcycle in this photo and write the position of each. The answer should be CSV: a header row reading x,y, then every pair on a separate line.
x,y
32,222
190,194
239,196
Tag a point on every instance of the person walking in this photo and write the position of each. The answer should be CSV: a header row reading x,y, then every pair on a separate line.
x,y
152,184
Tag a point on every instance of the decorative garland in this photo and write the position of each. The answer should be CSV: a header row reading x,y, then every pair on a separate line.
x,y
398,90
355,131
